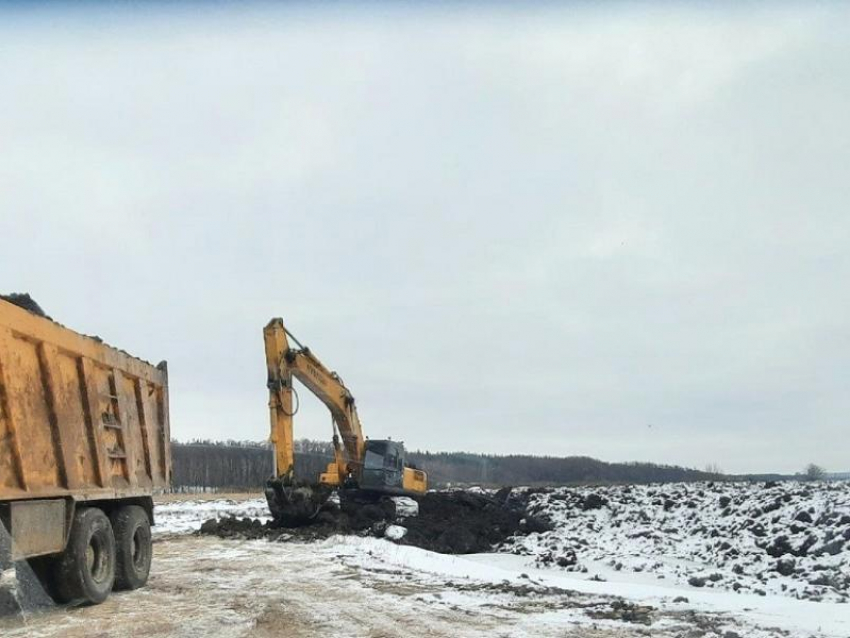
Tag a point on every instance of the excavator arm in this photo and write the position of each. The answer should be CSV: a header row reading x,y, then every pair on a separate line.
x,y
285,363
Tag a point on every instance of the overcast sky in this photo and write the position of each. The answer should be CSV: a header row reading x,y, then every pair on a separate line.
x,y
620,232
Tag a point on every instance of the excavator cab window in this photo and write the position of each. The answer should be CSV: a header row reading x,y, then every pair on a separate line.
x,y
391,460
376,452
383,465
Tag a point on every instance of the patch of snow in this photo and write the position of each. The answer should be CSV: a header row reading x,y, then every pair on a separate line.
x,y
405,506
184,517
395,532
830,619
751,612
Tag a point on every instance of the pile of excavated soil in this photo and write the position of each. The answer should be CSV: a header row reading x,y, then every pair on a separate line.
x,y
23,300
466,523
789,538
448,522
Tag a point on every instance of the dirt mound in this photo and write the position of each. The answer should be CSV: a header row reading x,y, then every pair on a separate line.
x,y
23,300
789,539
232,527
447,522
464,523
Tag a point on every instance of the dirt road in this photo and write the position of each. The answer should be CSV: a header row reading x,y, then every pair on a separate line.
x,y
208,587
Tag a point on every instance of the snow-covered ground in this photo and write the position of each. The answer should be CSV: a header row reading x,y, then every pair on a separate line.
x,y
748,615
640,544
788,539
186,515
348,586
635,550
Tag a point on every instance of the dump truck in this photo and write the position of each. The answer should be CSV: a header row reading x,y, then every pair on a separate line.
x,y
84,444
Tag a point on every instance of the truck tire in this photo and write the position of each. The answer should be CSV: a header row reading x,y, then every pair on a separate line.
x,y
133,548
85,571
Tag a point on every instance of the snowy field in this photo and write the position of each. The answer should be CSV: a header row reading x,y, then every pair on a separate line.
x,y
627,579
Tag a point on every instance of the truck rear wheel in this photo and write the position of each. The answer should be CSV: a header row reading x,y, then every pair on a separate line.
x,y
133,549
85,571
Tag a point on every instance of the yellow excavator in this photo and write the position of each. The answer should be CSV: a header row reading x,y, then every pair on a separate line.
x,y
362,468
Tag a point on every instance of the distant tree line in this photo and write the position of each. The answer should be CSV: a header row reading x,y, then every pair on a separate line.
x,y
484,469
238,465
812,472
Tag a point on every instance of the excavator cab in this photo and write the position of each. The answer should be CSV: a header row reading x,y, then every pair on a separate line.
x,y
385,470
383,466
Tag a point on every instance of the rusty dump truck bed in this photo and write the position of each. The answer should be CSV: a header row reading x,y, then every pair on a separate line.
x,y
78,418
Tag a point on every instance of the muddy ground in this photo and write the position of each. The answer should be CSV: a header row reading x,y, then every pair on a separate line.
x,y
453,522
205,586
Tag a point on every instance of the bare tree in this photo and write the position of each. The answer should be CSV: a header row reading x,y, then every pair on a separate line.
x,y
714,470
814,472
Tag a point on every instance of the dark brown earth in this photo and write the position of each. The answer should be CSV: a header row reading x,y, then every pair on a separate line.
x,y
454,522
467,523
23,300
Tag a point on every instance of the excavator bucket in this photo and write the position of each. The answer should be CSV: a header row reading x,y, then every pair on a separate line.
x,y
295,504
